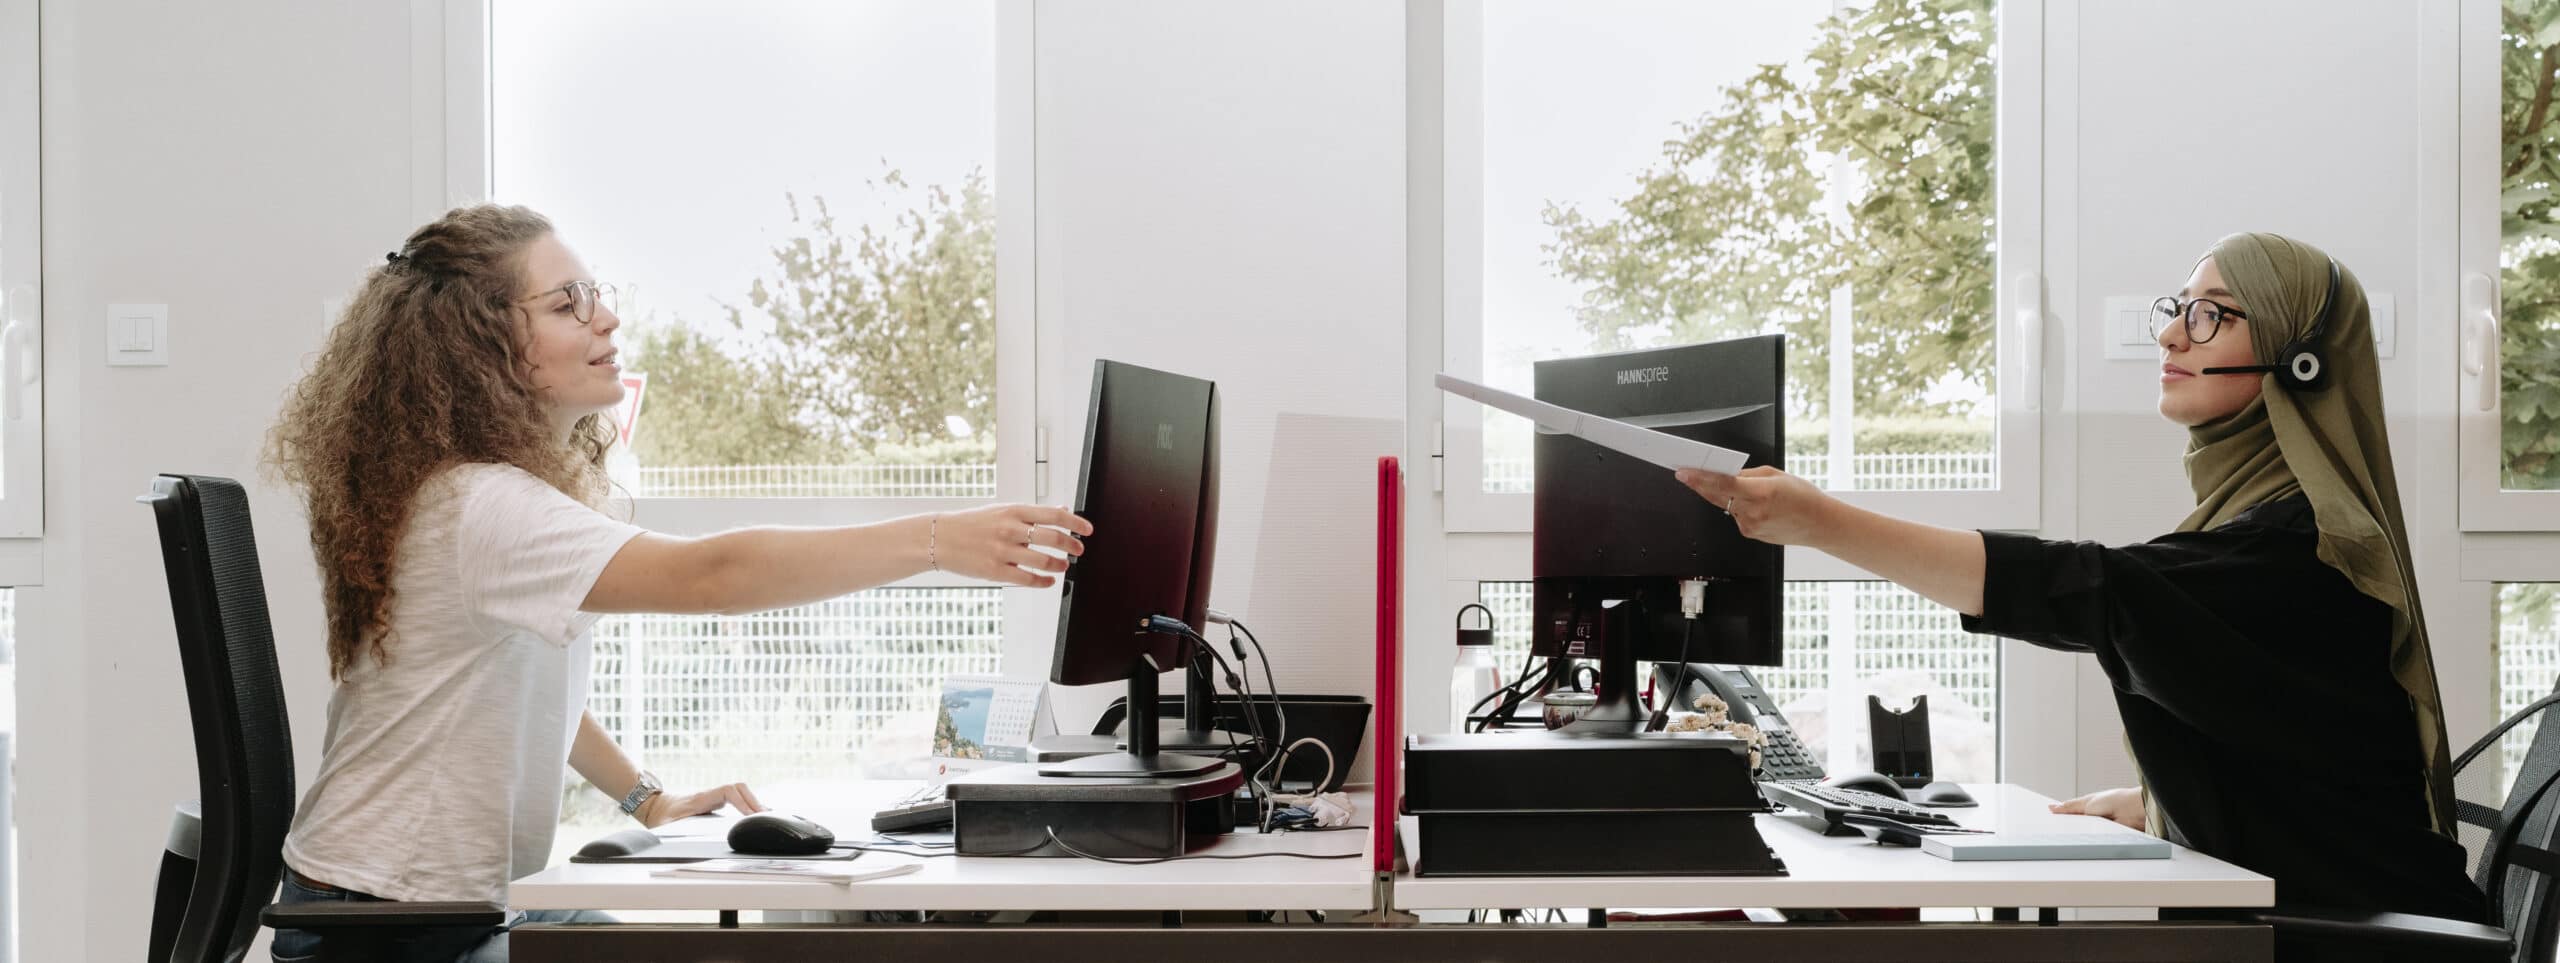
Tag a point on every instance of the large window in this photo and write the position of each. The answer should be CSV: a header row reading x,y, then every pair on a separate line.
x,y
2510,291
1846,641
802,226
21,299
1638,173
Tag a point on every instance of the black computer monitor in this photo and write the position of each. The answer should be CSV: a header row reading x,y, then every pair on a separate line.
x,y
1149,485
1615,536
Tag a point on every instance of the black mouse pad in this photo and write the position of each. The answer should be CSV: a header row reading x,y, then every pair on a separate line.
x,y
643,846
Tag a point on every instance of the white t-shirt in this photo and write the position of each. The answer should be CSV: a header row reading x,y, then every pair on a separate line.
x,y
442,773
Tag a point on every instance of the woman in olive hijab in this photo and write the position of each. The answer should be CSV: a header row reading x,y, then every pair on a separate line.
x,y
2268,657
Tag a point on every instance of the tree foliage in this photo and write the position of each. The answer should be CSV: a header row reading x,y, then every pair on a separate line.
x,y
859,345
2529,229
1730,232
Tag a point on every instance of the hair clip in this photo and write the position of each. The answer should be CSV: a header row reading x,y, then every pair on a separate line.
x,y
394,257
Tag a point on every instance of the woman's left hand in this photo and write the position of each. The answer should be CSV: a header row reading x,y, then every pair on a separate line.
x,y
1767,504
667,807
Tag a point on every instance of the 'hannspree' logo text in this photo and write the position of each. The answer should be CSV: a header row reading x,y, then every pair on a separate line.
x,y
1644,376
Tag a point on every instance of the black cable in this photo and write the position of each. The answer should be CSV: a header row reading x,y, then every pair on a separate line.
x,y
1142,861
1528,679
1513,696
1662,713
1272,695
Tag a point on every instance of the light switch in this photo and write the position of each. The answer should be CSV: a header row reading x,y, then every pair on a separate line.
x,y
137,334
2128,329
2386,335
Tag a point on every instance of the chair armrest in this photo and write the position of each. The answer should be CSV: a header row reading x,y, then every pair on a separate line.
x,y
2407,935
331,916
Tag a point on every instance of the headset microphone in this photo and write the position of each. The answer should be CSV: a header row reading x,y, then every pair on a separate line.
x,y
2299,364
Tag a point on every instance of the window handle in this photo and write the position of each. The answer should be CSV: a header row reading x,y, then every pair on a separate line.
x,y
2029,294
2480,339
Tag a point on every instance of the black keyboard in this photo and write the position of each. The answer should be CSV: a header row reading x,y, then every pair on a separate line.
x,y
1825,808
925,808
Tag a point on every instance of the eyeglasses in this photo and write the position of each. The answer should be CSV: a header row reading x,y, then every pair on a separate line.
x,y
583,296
2203,318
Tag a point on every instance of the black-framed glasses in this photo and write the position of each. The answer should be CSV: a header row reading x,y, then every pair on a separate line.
x,y
2203,318
583,296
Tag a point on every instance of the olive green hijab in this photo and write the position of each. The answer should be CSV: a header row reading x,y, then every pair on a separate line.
x,y
2328,443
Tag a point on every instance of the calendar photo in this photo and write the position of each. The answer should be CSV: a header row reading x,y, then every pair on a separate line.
x,y
985,719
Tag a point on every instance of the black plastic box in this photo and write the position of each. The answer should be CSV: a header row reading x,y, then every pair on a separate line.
x,y
1672,843
1548,804
1012,810
1340,722
1515,770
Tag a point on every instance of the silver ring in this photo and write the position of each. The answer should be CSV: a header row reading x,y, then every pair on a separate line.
x,y
1728,504
1030,532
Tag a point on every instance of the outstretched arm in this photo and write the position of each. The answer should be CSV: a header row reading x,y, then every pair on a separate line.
x,y
1944,565
756,569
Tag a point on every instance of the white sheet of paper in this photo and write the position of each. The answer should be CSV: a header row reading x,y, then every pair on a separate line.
x,y
1660,448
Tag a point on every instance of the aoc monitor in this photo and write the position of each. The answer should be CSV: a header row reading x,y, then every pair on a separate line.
x,y
1149,485
1615,537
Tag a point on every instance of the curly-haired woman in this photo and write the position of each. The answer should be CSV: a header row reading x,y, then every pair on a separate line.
x,y
450,443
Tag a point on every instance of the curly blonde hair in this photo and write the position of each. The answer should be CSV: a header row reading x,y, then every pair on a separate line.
x,y
423,372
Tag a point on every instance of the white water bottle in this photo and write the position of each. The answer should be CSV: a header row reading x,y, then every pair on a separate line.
x,y
1473,676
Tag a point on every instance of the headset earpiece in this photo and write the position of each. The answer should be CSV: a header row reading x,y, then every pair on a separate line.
x,y
2300,365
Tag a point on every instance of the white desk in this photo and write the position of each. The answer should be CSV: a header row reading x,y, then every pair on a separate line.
x,y
1825,872
1853,871
987,882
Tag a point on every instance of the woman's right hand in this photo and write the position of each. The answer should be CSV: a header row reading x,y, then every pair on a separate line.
x,y
995,543
2122,805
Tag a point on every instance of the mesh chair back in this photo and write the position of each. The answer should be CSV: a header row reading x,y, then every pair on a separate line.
x,y
2524,898
244,755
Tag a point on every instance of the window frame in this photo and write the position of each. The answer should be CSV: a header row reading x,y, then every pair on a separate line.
x,y
2484,504
452,159
21,298
2016,502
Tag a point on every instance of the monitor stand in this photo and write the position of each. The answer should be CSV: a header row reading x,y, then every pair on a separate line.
x,y
1193,733
1617,713
1143,758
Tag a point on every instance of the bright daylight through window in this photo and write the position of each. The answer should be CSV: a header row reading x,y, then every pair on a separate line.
x,y
801,229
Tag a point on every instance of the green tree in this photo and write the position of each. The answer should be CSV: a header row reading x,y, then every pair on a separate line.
x,y
877,338
705,406
2529,229
1728,233
883,336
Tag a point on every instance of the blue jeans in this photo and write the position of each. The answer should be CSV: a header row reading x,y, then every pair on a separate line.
x,y
424,944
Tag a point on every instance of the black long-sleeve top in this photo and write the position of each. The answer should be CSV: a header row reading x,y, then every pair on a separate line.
x,y
2256,689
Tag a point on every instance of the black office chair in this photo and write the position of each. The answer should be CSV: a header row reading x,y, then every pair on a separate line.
x,y
2516,866
221,866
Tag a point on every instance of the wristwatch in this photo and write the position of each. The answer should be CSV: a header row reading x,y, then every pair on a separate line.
x,y
640,793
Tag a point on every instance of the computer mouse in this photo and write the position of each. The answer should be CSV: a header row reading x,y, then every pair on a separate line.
x,y
775,834
1877,783
1943,795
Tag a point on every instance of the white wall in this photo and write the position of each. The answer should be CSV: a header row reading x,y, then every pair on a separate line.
x,y
2194,119
1221,194
241,163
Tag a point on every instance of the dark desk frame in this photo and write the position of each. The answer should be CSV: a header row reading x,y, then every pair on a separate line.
x,y
2126,942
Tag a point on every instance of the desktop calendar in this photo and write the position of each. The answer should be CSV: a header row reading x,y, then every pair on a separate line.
x,y
987,719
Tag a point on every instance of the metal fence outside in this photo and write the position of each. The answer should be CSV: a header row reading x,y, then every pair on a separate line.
x,y
816,481
2528,666
845,687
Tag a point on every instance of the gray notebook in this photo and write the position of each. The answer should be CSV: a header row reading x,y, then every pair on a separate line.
x,y
2046,846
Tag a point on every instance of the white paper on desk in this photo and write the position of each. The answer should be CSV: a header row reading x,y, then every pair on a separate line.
x,y
1661,448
